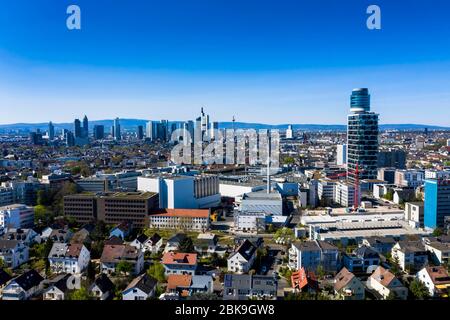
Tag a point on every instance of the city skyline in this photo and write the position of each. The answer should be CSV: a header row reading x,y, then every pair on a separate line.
x,y
157,61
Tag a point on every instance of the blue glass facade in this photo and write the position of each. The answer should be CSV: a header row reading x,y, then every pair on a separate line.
x,y
362,137
437,203
360,100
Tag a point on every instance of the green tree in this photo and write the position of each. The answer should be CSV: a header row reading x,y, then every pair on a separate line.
x,y
43,198
157,271
320,272
438,232
186,245
124,267
389,195
419,290
80,295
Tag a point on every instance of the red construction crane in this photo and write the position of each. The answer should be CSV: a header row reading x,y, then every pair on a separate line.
x,y
356,184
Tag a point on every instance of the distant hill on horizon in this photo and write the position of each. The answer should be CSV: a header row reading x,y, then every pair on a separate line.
x,y
130,124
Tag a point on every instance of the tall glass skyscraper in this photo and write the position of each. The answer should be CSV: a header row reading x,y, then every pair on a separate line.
x,y
362,137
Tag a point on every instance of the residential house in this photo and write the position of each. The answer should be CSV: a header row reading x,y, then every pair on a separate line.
x,y
141,288
63,235
385,284
23,287
206,243
13,253
246,287
348,287
102,288
304,281
382,245
121,231
312,254
148,244
82,236
174,242
68,258
411,255
26,236
361,260
113,254
436,279
440,250
4,279
114,241
58,290
179,263
241,261
184,285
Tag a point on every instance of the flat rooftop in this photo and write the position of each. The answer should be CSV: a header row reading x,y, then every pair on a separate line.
x,y
127,195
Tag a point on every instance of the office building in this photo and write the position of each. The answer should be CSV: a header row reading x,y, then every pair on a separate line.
x,y
99,132
77,129
437,203
392,159
341,154
150,131
180,219
85,127
387,175
344,194
289,132
69,138
409,178
17,216
51,131
6,196
140,133
111,207
271,204
414,214
117,130
183,192
437,174
214,132
36,138
103,182
362,137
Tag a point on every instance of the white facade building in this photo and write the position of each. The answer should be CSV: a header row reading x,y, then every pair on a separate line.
x,y
69,258
341,154
409,178
249,221
289,132
183,192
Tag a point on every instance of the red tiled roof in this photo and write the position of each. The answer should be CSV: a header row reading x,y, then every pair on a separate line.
x,y
175,281
180,258
301,279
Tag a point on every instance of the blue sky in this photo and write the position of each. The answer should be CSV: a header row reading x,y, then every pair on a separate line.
x,y
262,61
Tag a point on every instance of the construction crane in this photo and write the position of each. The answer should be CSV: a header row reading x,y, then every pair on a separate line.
x,y
356,186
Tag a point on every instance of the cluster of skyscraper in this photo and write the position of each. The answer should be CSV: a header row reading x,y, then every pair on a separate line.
x,y
200,130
